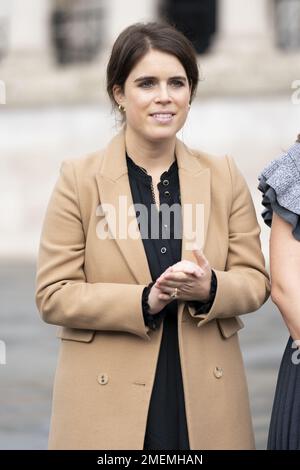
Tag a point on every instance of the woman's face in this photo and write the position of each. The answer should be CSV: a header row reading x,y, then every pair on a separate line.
x,y
156,96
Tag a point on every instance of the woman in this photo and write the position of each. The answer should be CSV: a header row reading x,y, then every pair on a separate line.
x,y
149,357
280,185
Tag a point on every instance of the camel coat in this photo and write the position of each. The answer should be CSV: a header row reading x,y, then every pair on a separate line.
x,y
91,287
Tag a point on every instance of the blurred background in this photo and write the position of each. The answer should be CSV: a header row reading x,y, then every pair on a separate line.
x,y
53,106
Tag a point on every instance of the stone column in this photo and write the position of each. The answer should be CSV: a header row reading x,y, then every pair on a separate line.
x,y
121,14
4,19
244,26
244,59
29,31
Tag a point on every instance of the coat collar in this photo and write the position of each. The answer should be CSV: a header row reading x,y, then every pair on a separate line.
x,y
112,181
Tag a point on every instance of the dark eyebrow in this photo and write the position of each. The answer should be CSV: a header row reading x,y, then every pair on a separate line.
x,y
154,78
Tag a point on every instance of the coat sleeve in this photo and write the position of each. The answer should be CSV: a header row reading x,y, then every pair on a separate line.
x,y
244,284
63,295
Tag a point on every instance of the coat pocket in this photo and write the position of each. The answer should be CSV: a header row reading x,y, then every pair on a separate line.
x,y
75,334
229,326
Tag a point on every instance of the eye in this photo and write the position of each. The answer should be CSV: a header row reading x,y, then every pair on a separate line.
x,y
177,83
146,84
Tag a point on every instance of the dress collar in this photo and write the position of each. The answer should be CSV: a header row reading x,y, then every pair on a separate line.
x,y
142,172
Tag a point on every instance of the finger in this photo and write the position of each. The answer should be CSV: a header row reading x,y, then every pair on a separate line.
x,y
163,285
166,291
184,264
198,273
173,278
177,267
170,269
178,277
201,259
189,270
164,296
169,284
187,273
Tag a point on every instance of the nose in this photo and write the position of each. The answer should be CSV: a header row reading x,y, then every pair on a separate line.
x,y
163,94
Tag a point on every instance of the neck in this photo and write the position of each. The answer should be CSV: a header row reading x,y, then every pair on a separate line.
x,y
153,156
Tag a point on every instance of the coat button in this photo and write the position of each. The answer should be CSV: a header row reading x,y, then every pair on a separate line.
x,y
102,379
167,193
218,372
163,249
165,182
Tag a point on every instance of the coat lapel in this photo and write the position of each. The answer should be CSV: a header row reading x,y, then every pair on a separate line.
x,y
194,180
114,191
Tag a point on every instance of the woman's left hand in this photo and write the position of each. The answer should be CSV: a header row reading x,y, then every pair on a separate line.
x,y
191,279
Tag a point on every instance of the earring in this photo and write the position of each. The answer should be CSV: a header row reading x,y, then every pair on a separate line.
x,y
121,108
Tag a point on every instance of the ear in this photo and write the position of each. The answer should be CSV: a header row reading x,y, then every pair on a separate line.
x,y
118,94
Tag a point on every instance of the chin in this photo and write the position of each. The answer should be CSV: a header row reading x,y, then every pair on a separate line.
x,y
158,134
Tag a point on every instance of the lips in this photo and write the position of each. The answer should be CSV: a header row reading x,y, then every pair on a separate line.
x,y
163,117
165,113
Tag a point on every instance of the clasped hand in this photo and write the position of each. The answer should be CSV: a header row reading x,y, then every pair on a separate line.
x,y
192,281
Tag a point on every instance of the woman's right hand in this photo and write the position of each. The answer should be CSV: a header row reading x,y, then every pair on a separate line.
x,y
155,303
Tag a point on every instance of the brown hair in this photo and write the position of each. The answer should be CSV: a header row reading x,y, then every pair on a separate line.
x,y
136,40
298,138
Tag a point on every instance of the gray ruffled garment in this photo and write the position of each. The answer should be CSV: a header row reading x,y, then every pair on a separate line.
x,y
280,184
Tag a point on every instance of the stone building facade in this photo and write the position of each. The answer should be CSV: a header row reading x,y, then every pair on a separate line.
x,y
55,51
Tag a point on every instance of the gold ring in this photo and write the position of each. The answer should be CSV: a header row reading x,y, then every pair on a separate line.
x,y
174,294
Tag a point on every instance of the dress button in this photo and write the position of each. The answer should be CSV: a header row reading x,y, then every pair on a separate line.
x,y
218,372
165,182
102,379
163,249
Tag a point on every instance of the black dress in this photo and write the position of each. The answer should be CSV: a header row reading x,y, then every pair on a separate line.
x,y
166,423
280,185
284,432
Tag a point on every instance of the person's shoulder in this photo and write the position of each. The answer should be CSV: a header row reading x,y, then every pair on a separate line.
x,y
218,164
286,165
86,164
279,183
208,159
